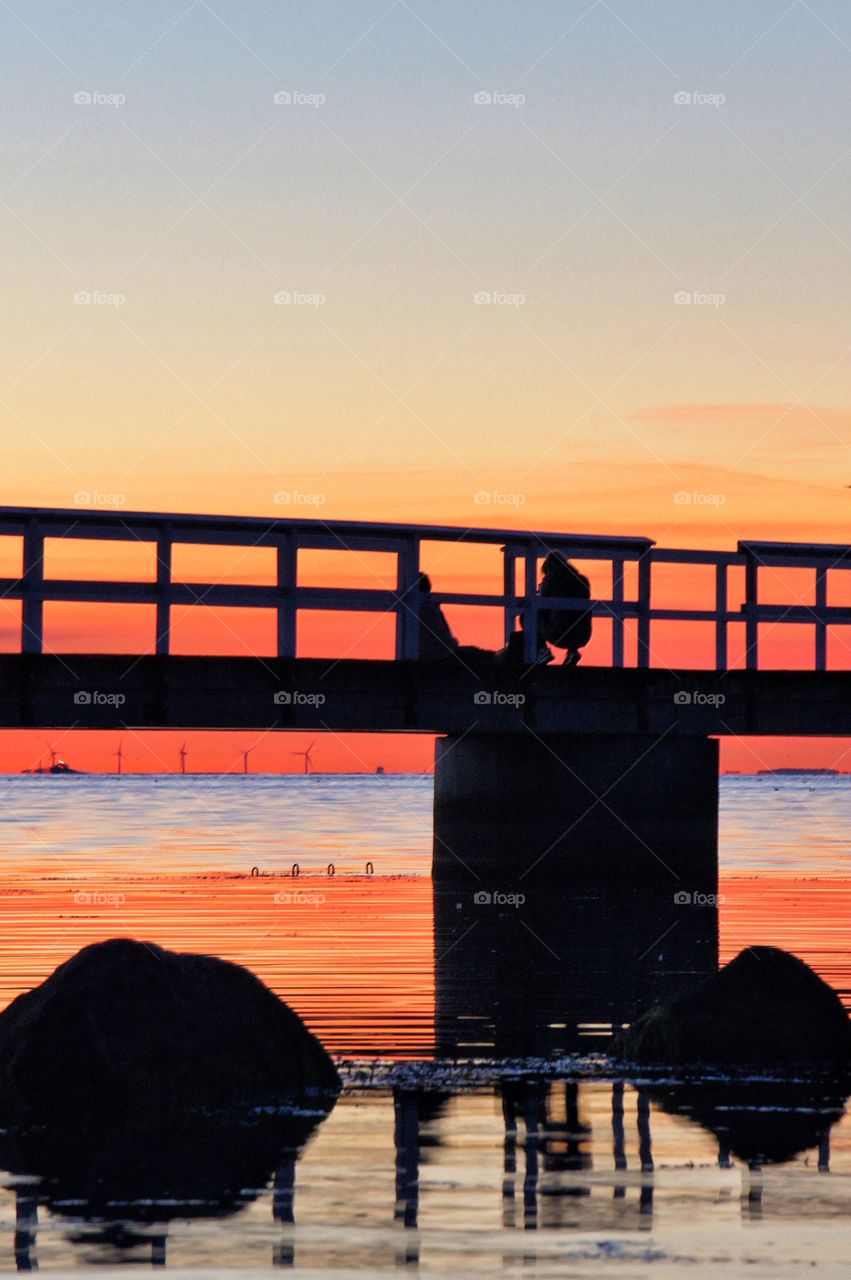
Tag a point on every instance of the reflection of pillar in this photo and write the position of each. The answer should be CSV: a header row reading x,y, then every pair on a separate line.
x,y
283,1193
752,1203
824,1152
618,1135
509,1156
283,1197
724,1160
158,1250
645,1152
531,1119
407,1138
26,1224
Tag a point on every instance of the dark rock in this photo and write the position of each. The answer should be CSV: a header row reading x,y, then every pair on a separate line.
x,y
126,1028
765,1007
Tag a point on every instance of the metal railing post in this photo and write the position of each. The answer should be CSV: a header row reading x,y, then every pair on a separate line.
x,y
530,607
751,617
408,607
821,623
163,637
644,588
721,617
617,613
287,581
32,604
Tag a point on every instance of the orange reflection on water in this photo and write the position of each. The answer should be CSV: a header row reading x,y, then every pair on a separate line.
x,y
353,955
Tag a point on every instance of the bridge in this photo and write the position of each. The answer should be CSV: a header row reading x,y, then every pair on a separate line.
x,y
604,760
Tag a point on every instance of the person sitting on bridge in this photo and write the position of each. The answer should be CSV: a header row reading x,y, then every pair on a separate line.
x,y
568,629
436,638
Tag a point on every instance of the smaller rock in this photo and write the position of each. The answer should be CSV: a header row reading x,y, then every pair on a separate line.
x,y
765,1007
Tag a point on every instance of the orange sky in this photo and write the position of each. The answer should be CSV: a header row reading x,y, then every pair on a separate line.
x,y
610,302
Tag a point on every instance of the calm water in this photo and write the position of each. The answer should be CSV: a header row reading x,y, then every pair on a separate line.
x,y
569,1174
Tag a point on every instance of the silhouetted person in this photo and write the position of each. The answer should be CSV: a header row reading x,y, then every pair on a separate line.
x,y
436,638
568,629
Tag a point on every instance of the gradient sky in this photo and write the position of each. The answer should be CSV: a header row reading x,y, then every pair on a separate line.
x,y
184,198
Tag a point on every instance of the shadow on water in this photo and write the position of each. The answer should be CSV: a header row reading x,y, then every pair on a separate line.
x,y
533,970
118,1189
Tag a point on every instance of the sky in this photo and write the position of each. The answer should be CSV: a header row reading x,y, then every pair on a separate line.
x,y
387,258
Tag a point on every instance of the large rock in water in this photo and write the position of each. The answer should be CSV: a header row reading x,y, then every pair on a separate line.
x,y
765,1007
127,1028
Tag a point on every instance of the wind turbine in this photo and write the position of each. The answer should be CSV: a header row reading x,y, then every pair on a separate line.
x,y
119,755
305,755
183,758
245,756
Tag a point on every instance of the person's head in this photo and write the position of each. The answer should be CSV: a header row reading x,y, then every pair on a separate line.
x,y
555,562
424,582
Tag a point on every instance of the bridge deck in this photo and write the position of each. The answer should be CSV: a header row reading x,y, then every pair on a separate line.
x,y
155,692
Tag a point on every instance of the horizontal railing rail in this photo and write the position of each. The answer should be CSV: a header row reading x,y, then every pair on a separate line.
x,y
519,599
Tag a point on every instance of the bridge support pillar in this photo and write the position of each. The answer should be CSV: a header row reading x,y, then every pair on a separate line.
x,y
575,883
567,808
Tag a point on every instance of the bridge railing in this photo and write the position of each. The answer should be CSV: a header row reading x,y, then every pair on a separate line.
x,y
518,600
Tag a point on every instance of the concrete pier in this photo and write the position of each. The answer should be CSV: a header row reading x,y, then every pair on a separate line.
x,y
562,809
576,883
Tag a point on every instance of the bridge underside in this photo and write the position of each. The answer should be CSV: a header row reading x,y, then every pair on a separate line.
x,y
110,691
